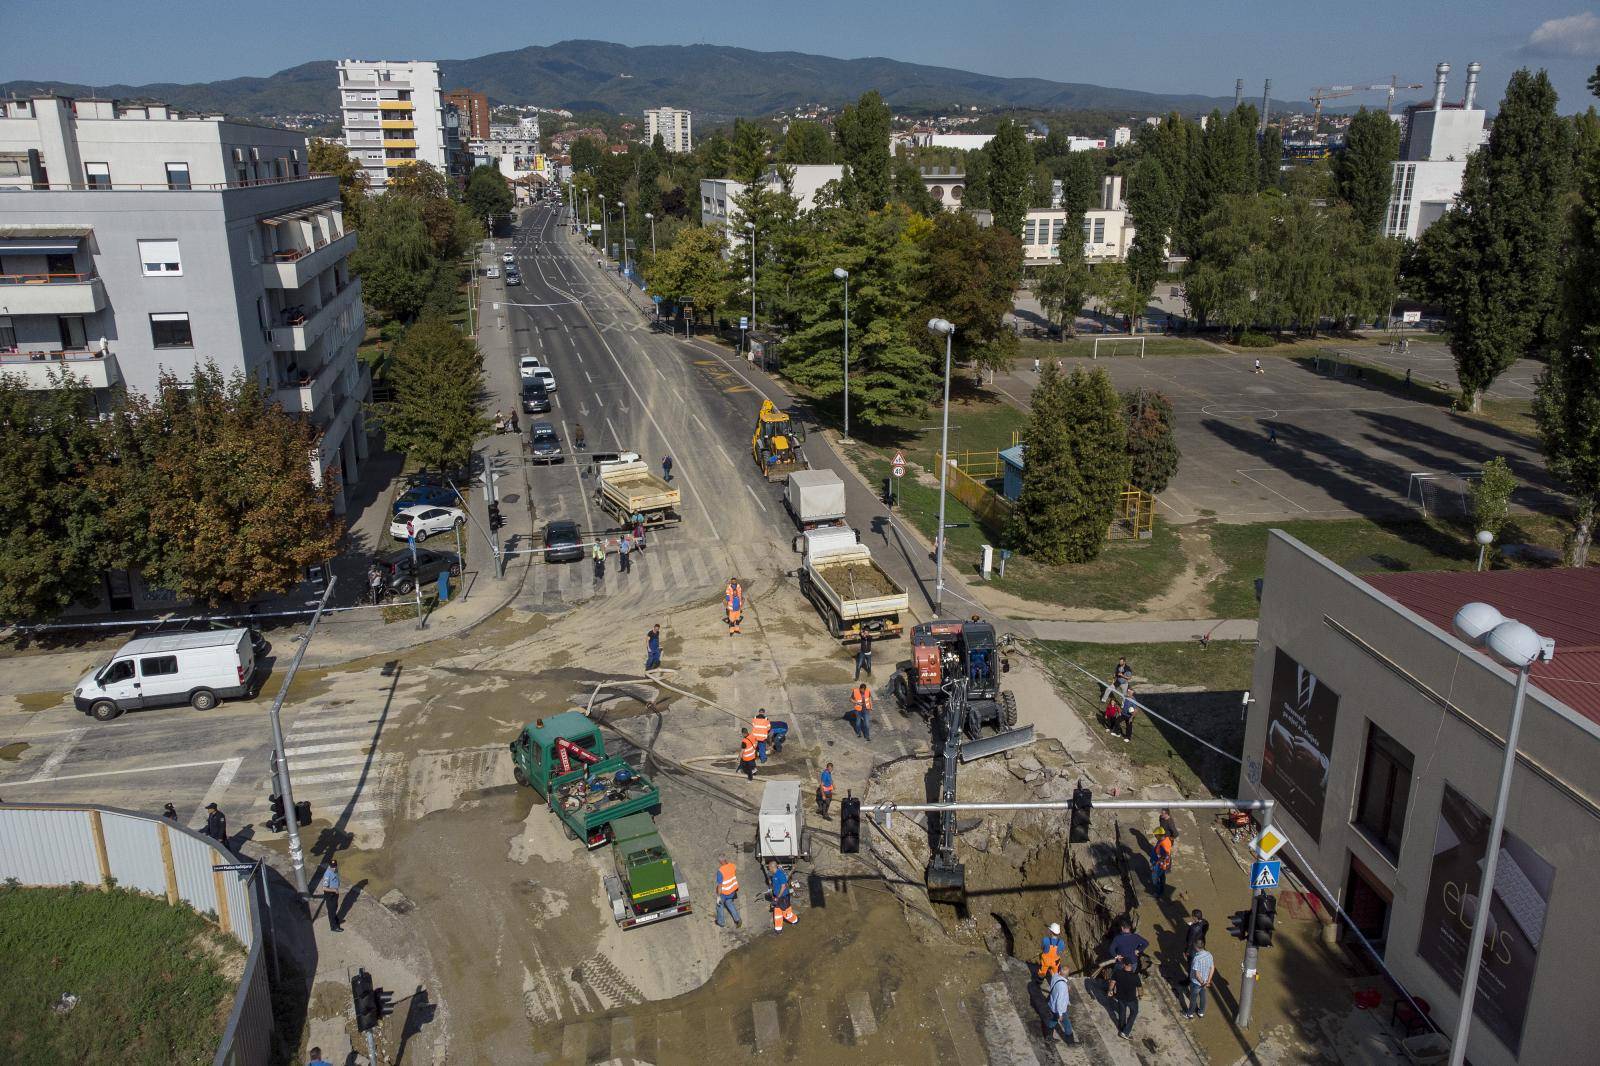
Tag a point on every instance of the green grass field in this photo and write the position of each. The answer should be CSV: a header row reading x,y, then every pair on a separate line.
x,y
1127,574
148,977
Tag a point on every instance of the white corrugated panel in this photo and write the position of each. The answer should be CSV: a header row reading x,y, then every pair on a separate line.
x,y
192,857
47,847
133,846
240,892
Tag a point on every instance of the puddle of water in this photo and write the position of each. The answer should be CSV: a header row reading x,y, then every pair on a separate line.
x,y
13,752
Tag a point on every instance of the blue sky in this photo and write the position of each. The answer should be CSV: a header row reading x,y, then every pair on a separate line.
x,y
1136,44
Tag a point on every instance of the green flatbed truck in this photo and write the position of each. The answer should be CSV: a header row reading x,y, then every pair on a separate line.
x,y
563,758
646,886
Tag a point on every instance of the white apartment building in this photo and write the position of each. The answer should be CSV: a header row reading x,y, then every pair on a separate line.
x,y
717,207
1433,157
1107,230
1121,136
393,117
674,125
136,241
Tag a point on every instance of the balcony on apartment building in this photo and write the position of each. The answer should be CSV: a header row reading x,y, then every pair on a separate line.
x,y
52,294
299,327
344,415
308,392
45,369
306,246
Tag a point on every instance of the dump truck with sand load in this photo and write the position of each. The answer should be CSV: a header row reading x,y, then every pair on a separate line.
x,y
851,591
629,488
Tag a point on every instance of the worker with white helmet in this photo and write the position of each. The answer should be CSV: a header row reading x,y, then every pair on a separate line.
x,y
1052,952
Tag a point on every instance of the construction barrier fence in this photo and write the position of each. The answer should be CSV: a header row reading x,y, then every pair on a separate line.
x,y
991,508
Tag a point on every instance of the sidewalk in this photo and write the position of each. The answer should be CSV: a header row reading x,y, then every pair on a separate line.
x,y
1139,632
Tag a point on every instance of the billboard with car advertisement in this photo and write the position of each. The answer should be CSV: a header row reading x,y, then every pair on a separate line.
x,y
1300,721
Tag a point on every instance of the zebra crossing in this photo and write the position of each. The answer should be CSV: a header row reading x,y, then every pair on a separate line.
x,y
664,569
336,765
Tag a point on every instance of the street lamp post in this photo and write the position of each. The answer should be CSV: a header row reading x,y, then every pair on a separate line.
x,y
1519,647
1484,538
588,217
844,275
942,326
651,218
750,230
605,232
624,237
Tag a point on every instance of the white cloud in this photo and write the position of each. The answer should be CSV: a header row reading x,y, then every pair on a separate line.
x,y
1576,36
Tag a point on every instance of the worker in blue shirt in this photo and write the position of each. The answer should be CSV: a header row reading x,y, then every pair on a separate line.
x,y
317,1059
1128,945
1052,951
825,790
782,896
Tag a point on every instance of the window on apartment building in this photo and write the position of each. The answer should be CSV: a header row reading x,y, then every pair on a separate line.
x,y
241,172
60,263
1099,231
8,334
171,330
1055,230
73,334
1385,791
98,175
178,176
1027,231
160,259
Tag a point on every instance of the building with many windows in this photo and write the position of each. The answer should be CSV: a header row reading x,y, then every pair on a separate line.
x,y
1381,736
674,125
135,241
473,107
393,117
1107,230
717,195
1438,138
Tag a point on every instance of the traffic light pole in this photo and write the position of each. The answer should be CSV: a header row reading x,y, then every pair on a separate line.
x,y
297,855
1247,987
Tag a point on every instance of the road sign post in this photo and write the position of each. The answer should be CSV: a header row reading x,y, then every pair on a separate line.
x,y
1265,846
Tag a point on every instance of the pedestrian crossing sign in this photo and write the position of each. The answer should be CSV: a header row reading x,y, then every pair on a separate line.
x,y
1265,875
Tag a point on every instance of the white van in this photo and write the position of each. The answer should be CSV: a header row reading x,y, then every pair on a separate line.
x,y
193,668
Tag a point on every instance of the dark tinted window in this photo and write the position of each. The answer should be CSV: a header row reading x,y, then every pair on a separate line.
x,y
158,665
1385,791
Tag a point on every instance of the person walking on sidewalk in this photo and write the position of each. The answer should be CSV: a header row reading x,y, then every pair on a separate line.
x,y
861,711
1130,707
329,887
782,896
1123,675
624,549
652,648
375,583
1060,999
1168,825
1160,863
1124,990
577,435
1194,934
638,532
747,755
726,887
864,656
825,790
216,825
1202,968
666,468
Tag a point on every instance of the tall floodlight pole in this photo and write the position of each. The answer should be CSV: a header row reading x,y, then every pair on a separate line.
x,y
651,218
750,231
605,232
844,275
1519,647
297,855
624,236
939,326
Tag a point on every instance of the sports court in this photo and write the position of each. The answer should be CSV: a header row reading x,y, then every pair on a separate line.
x,y
1346,443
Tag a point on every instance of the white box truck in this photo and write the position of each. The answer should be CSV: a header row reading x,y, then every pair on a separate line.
x,y
849,589
194,668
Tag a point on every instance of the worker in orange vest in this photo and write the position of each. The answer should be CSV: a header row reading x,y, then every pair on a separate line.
x,y
747,755
727,890
782,896
760,730
861,711
1160,863
733,605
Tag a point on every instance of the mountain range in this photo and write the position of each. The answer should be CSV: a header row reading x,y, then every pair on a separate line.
x,y
714,81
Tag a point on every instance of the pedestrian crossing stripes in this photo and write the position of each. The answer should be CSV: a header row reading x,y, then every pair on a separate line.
x,y
663,569
335,765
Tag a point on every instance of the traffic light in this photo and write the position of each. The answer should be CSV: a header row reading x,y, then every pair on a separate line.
x,y
1239,925
366,1002
383,999
1266,907
850,825
279,820
495,519
302,813
1082,808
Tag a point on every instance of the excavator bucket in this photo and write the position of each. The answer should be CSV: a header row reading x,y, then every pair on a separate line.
x,y
947,882
984,746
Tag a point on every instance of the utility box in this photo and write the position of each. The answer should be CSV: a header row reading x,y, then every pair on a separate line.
x,y
781,824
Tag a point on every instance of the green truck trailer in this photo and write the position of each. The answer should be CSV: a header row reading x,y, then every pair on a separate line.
x,y
563,758
646,885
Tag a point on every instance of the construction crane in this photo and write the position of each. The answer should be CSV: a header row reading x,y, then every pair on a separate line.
x,y
1335,92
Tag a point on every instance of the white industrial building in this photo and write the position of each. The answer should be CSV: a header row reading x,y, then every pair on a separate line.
x,y
675,126
136,241
393,117
1433,157
717,207
1107,230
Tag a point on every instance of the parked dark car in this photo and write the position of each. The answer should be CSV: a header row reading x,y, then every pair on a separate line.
x,y
544,446
535,399
426,496
562,543
399,579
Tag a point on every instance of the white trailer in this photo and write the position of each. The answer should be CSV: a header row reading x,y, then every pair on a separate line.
x,y
849,589
814,498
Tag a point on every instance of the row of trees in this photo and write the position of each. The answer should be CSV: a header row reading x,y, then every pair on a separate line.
x,y
205,488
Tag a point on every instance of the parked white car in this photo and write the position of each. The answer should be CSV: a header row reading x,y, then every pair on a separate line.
x,y
492,272
194,668
424,522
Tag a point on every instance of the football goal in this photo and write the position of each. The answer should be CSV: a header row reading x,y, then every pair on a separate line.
x,y
1110,346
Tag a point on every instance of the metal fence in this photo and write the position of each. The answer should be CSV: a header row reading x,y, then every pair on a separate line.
x,y
64,844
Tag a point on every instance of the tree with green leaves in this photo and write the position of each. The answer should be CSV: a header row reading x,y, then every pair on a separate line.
x,y
1079,174
585,155
911,190
748,156
807,143
1153,208
1491,497
1494,262
435,417
331,157
976,168
394,257
53,512
1225,163
863,134
1152,446
1063,287
212,490
780,249
1231,279
970,276
692,270
1010,176
488,192
1075,466
1364,170
1271,155
1567,404
891,373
